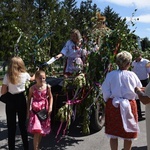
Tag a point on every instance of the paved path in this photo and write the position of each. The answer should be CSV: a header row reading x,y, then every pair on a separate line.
x,y
74,141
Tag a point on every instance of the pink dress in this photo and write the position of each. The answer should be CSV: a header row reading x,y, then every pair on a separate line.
x,y
39,101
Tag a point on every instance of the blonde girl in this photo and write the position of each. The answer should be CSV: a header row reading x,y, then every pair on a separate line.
x,y
40,97
72,50
14,83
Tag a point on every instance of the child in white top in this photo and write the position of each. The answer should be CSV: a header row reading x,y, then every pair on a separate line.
x,y
72,50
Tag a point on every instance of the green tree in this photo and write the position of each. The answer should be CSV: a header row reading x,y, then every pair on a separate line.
x,y
8,33
32,25
112,18
145,44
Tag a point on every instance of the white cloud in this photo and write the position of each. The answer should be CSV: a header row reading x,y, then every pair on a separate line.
x,y
141,18
137,3
144,18
148,29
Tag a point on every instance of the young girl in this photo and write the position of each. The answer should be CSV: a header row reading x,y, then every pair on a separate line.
x,y
41,96
72,50
14,83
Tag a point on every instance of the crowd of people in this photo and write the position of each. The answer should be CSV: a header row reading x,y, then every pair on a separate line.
x,y
40,95
122,90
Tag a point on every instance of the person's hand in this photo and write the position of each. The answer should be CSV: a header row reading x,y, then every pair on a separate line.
x,y
58,56
142,89
137,89
45,64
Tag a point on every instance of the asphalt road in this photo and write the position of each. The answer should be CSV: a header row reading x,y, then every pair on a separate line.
x,y
74,140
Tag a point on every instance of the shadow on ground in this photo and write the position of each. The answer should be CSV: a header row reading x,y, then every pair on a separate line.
x,y
49,142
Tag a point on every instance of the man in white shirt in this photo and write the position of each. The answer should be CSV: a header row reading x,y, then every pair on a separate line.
x,y
140,67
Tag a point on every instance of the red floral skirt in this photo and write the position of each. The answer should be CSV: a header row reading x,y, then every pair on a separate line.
x,y
113,120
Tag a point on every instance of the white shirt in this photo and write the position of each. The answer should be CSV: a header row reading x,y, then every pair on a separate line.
x,y
140,69
17,88
70,51
120,84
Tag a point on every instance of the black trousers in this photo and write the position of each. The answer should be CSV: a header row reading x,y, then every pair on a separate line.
x,y
16,106
144,84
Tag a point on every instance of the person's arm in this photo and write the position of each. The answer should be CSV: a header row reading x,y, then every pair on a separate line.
x,y
32,78
64,50
143,98
58,56
4,89
148,68
29,100
50,96
106,90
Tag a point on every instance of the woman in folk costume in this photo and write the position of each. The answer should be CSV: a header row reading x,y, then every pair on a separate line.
x,y
121,120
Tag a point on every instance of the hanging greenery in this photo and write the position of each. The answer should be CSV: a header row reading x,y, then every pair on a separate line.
x,y
38,32
102,46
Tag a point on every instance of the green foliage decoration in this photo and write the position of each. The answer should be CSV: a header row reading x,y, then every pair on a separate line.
x,y
26,32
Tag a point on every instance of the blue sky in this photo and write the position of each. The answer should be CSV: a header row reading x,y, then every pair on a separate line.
x,y
125,8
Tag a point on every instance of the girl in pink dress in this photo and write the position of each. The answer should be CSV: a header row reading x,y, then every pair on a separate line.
x,y
40,97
